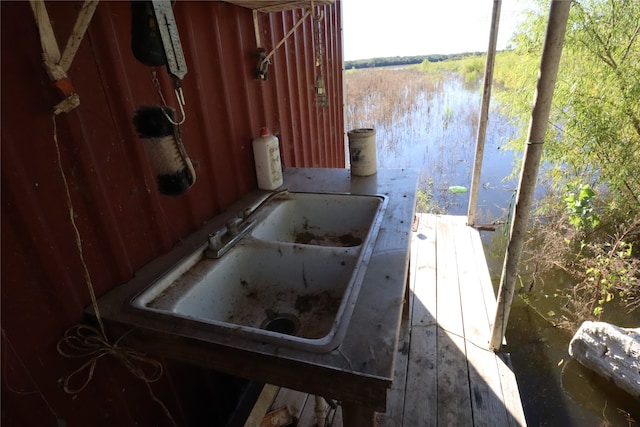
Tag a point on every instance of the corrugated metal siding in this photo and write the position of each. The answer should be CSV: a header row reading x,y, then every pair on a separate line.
x,y
122,220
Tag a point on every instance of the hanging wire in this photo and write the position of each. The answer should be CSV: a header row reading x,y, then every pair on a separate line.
x,y
178,93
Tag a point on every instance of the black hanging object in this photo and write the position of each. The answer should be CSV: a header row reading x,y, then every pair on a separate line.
x,y
163,144
146,41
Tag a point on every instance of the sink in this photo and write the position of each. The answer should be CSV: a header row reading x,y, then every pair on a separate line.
x,y
324,220
291,281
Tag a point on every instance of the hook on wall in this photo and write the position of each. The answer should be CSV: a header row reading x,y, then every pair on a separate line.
x,y
265,58
263,64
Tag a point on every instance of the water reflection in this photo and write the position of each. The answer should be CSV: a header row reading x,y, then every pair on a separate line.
x,y
436,133
431,125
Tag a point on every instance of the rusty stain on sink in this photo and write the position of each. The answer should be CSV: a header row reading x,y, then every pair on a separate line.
x,y
343,240
322,301
308,237
315,311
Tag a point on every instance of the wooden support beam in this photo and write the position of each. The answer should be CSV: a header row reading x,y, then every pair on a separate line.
x,y
549,63
79,29
484,112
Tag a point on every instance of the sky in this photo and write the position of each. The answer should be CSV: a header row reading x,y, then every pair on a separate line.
x,y
382,28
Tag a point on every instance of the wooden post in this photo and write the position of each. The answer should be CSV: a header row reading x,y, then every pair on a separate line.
x,y
484,113
556,27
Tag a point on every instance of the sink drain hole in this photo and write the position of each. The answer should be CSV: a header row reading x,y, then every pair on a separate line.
x,y
282,323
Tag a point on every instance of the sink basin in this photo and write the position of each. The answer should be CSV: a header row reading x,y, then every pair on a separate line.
x,y
324,220
292,281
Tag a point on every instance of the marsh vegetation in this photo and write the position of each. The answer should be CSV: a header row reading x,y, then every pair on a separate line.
x,y
428,121
582,258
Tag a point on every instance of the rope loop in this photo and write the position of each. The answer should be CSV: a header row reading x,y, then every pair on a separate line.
x,y
84,341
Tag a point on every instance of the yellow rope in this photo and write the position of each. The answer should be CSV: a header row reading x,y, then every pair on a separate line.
x,y
84,341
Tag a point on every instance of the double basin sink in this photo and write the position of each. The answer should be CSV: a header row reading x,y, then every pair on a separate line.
x,y
291,279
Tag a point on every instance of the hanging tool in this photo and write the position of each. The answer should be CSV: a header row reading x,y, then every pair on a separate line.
x,y
176,64
319,87
155,42
57,64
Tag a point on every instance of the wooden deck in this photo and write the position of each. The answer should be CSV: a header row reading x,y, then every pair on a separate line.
x,y
445,374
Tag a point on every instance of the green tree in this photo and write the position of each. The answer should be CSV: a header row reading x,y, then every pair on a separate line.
x,y
594,133
593,142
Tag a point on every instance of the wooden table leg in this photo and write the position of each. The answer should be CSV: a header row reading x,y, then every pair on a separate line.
x,y
357,415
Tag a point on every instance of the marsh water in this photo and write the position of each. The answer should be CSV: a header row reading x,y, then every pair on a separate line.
x,y
431,124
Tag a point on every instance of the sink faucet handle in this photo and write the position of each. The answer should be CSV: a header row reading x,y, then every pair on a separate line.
x,y
215,240
245,213
233,226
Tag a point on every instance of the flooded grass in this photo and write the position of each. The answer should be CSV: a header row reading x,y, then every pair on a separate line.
x,y
428,121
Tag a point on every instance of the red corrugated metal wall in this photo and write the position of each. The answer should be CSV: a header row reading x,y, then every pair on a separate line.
x,y
122,220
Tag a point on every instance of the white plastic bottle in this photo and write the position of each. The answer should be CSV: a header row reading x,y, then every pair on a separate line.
x,y
266,154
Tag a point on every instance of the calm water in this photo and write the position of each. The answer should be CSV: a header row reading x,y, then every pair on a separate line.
x,y
442,143
437,135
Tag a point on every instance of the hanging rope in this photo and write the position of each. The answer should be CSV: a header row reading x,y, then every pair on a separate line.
x,y
87,342
83,341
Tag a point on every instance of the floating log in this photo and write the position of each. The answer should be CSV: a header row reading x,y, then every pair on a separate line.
x,y
611,351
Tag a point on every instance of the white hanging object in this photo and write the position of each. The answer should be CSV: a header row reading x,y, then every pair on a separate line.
x,y
57,64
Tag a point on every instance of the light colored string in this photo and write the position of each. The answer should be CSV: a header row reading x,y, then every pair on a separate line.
x,y
84,341
87,276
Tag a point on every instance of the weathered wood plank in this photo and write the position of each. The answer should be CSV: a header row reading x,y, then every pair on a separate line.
x,y
487,399
454,404
449,312
484,377
420,399
420,408
509,385
396,397
424,303
472,303
483,276
511,394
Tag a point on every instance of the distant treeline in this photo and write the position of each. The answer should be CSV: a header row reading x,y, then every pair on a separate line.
x,y
404,60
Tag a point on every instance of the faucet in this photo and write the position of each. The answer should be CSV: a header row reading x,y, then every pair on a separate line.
x,y
236,228
223,239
